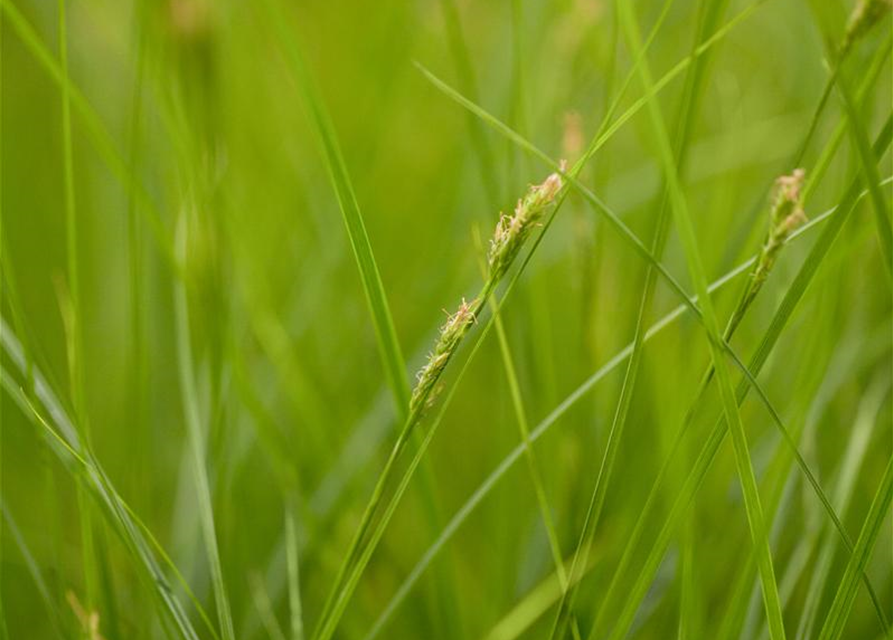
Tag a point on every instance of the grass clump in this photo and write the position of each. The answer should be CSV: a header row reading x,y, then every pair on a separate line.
x,y
662,408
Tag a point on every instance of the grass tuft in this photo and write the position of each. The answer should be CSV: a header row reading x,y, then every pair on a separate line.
x,y
226,235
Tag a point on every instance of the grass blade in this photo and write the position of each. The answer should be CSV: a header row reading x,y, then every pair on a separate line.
x,y
739,439
852,462
839,76
264,608
795,292
4,633
849,584
385,333
872,178
67,453
296,615
544,426
388,344
618,424
465,72
97,132
56,620
93,552
124,523
524,431
198,448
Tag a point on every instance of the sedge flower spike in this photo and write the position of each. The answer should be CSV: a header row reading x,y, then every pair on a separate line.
x,y
512,231
510,235
785,216
451,334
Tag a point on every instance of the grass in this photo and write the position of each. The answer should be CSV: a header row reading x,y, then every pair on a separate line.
x,y
231,233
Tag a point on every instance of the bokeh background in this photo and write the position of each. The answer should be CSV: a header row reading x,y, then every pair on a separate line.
x,y
196,101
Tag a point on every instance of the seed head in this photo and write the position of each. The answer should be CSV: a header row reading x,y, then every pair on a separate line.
x,y
451,334
785,216
512,231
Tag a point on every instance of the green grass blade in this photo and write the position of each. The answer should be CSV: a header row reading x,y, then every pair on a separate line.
x,y
386,334
73,317
545,425
43,589
852,462
540,600
517,398
535,604
687,234
4,632
872,177
529,452
264,607
849,583
198,448
814,121
687,584
465,71
90,465
139,349
633,597
869,81
619,421
94,128
296,614
71,228
124,524
840,77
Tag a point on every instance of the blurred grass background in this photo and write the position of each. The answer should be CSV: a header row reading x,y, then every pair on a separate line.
x,y
199,102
